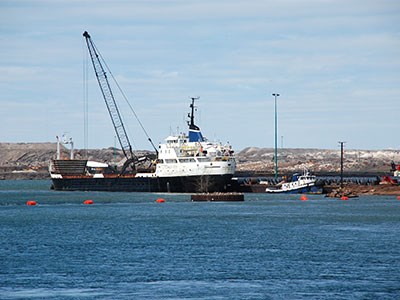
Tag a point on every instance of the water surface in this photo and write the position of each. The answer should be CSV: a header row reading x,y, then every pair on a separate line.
x,y
126,246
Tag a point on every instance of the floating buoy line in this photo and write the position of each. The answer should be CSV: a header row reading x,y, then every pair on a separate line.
x,y
161,200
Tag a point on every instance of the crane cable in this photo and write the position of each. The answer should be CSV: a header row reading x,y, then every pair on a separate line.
x,y
126,99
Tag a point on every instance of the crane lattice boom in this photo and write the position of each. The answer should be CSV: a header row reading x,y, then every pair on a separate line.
x,y
109,99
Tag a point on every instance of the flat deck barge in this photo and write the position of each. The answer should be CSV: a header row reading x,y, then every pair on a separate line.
x,y
212,197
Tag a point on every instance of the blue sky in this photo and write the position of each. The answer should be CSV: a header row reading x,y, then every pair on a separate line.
x,y
336,65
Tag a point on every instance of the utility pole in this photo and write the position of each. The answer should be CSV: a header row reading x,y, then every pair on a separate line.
x,y
341,164
276,138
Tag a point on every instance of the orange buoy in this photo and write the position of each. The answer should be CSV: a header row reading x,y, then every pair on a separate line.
x,y
303,198
398,197
88,202
344,198
31,202
160,200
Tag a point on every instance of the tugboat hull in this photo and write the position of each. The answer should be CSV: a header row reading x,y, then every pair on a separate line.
x,y
300,190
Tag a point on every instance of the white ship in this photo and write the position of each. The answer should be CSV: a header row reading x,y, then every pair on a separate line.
x,y
185,163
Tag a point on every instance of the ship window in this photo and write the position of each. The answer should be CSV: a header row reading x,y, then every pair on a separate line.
x,y
170,161
203,159
186,160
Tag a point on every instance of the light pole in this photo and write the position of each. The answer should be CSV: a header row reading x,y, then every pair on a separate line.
x,y
276,137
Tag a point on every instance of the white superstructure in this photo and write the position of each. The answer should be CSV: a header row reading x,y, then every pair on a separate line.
x,y
193,155
180,157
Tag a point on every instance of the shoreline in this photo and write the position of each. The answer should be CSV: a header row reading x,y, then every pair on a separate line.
x,y
352,188
364,190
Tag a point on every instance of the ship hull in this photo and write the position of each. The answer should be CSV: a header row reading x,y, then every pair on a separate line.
x,y
299,190
182,184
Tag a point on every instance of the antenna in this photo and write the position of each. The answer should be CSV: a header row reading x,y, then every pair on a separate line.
x,y
65,140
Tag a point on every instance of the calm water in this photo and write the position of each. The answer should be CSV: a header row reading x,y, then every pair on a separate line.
x,y
126,246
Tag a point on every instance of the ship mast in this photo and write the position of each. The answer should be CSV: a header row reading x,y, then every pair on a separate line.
x,y
194,131
191,115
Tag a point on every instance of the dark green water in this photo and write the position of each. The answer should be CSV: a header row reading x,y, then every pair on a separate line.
x,y
126,246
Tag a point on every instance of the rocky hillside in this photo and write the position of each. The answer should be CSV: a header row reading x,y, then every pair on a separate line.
x,y
316,160
25,154
30,160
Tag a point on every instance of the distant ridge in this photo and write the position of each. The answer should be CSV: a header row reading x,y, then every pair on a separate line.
x,y
34,158
24,146
317,160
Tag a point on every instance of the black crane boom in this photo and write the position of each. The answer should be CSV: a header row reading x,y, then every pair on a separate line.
x,y
109,100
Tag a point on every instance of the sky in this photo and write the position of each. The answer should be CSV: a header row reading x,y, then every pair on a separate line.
x,y
335,64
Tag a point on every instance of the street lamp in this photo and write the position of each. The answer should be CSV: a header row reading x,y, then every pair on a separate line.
x,y
276,138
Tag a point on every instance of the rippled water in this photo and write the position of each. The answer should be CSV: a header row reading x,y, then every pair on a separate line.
x,y
126,246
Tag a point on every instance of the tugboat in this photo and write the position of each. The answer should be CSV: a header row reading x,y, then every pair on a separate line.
x,y
187,163
300,184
